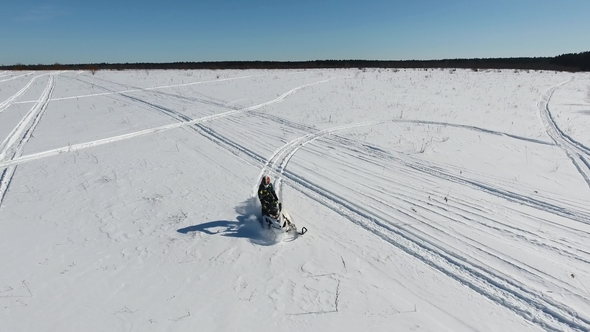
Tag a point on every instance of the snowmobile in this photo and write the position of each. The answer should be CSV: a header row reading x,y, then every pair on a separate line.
x,y
278,218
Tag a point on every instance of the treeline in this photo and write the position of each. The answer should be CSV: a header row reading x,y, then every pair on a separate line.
x,y
573,62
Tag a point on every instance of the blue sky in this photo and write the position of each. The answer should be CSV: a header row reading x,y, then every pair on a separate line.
x,y
68,31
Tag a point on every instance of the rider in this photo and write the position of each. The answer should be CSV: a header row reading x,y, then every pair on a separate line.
x,y
267,196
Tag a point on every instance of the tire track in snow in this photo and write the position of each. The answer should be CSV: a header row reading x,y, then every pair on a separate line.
x,y
199,128
500,289
205,100
208,132
570,213
144,89
80,146
444,226
498,192
16,133
464,212
417,122
178,116
13,146
5,104
287,153
15,77
577,152
315,134
278,161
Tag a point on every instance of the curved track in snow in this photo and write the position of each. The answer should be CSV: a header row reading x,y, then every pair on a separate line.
x,y
138,89
13,145
544,311
577,152
15,77
5,104
183,121
460,240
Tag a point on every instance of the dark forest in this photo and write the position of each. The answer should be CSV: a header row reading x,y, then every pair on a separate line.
x,y
573,62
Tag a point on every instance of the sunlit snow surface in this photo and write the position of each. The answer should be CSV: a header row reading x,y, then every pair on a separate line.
x,y
436,200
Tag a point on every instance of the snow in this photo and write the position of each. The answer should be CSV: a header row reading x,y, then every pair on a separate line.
x,y
436,200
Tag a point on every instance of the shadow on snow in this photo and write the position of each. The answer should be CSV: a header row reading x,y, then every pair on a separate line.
x,y
247,226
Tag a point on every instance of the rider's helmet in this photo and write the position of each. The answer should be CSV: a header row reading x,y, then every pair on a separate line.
x,y
266,180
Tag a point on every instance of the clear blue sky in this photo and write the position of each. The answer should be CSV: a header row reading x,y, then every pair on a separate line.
x,y
68,31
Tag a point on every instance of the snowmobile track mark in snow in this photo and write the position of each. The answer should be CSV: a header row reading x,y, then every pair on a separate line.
x,y
144,89
544,312
163,128
5,104
580,216
576,151
15,77
12,147
537,309
280,158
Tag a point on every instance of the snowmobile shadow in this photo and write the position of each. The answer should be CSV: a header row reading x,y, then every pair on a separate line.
x,y
246,227
212,228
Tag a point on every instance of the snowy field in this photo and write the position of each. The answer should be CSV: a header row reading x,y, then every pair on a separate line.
x,y
436,200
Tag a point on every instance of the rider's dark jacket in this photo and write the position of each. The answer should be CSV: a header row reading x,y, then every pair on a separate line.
x,y
268,198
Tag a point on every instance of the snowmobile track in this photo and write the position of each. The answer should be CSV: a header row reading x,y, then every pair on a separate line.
x,y
576,151
5,104
535,308
542,311
12,147
277,163
173,113
15,77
